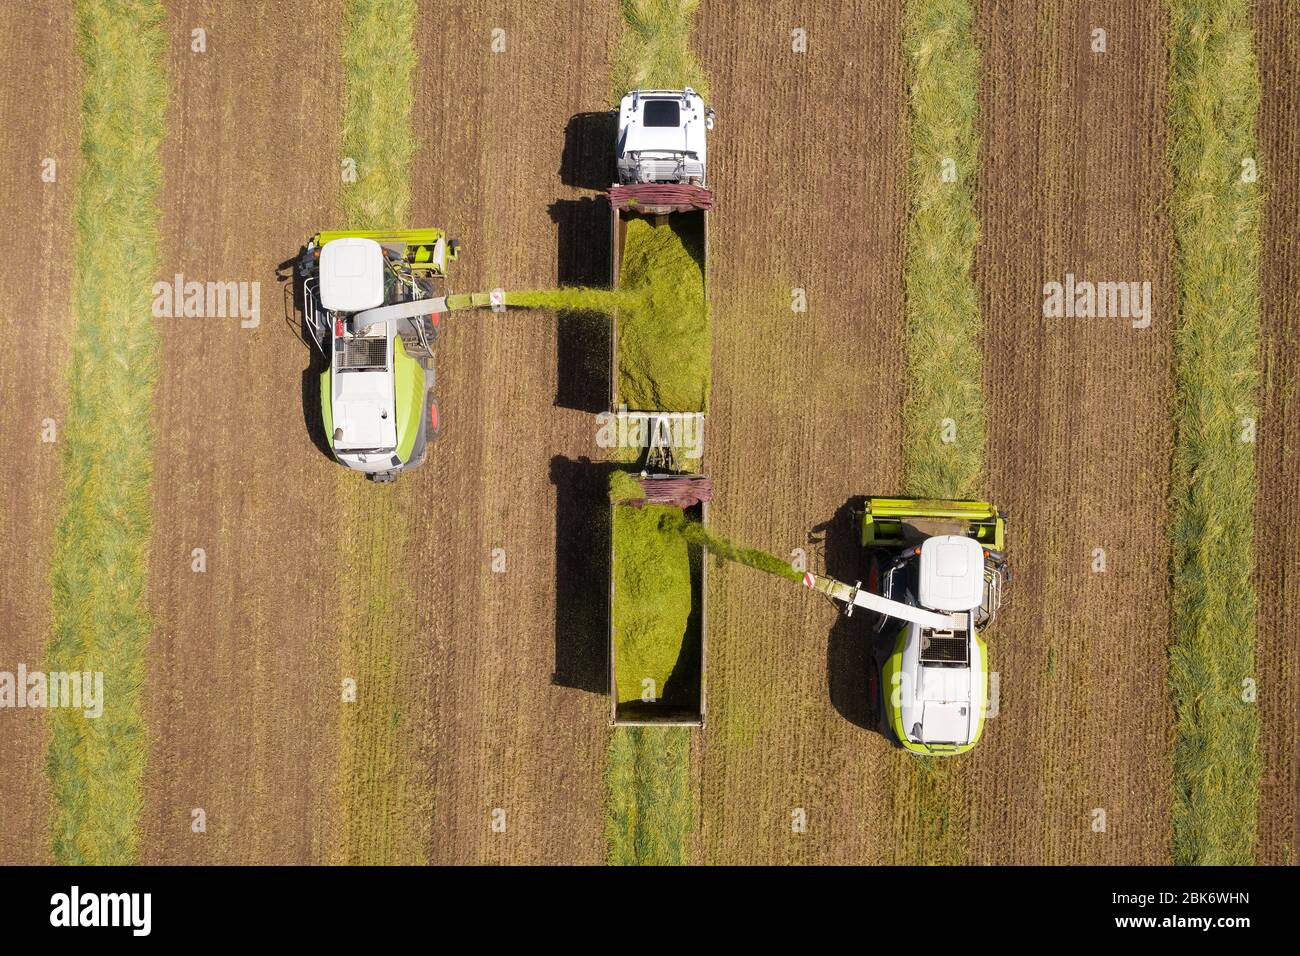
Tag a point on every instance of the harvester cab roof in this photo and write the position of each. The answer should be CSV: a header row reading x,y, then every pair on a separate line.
x,y
951,576
352,274
943,556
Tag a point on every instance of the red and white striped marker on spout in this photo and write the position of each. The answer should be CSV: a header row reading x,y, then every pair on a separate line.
x,y
809,580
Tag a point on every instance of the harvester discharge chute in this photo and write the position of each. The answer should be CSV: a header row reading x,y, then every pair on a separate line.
x,y
371,303
936,574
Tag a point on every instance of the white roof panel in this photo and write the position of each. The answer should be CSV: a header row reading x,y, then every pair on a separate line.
x,y
952,573
351,275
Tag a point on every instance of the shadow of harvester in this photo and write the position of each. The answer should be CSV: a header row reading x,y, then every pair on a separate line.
x,y
854,650
295,318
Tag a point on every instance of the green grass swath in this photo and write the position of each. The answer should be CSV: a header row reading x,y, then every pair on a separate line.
x,y
650,812
382,805
654,52
1214,94
944,440
378,69
101,620
944,421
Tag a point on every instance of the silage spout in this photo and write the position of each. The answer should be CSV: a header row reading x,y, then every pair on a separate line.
x,y
858,596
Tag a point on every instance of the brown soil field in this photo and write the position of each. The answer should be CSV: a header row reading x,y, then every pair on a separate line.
x,y
243,676
40,114
512,689
1072,179
1277,517
806,414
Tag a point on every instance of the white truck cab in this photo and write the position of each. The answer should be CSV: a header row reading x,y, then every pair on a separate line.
x,y
661,137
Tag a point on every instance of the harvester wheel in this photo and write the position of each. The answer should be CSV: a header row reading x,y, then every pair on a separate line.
x,y
431,431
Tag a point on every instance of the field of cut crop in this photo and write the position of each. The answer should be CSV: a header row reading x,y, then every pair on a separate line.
x,y
514,658
244,669
806,415
1079,437
236,586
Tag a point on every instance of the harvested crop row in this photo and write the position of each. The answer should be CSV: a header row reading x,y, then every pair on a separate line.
x,y
382,806
1213,99
650,812
378,63
507,472
944,420
100,618
944,438
654,52
243,669
787,674
39,110
1073,179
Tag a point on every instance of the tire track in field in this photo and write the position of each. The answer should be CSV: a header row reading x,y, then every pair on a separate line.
x,y
243,678
808,167
40,114
1072,180
1277,514
513,661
